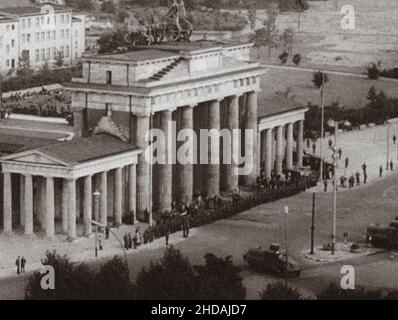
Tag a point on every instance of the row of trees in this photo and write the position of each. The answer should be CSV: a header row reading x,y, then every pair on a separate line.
x,y
172,278
378,109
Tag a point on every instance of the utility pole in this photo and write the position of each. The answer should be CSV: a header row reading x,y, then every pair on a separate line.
x,y
322,123
313,224
286,242
388,144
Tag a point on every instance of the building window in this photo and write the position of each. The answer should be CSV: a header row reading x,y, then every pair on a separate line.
x,y
8,48
29,23
41,20
54,52
54,35
37,36
67,33
55,20
12,63
48,35
23,23
37,22
43,54
12,43
62,50
62,19
67,18
8,63
28,38
67,52
37,55
76,46
62,33
12,27
48,53
109,77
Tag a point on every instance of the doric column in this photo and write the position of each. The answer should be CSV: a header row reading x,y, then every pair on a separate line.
x,y
213,167
104,197
186,169
267,149
133,191
87,206
231,176
289,147
144,195
50,207
251,151
71,193
7,203
22,200
28,204
165,168
65,206
300,144
117,197
279,150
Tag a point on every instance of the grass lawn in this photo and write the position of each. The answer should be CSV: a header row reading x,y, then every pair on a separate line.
x,y
348,90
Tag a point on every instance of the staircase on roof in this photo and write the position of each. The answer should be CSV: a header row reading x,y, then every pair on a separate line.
x,y
172,66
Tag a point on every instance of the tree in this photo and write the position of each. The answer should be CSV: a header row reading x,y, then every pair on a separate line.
x,y
252,15
24,69
288,40
219,279
319,79
372,94
278,291
296,59
59,59
111,41
283,57
173,278
108,7
86,5
270,26
374,70
79,282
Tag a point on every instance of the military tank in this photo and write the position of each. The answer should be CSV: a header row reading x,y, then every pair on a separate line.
x,y
383,236
272,260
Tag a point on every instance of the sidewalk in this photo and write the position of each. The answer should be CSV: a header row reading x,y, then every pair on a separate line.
x,y
367,146
33,248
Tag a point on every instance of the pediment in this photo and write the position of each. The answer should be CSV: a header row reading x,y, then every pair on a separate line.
x,y
34,157
108,126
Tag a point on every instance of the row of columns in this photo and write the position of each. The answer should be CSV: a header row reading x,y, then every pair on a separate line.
x,y
267,138
185,174
68,206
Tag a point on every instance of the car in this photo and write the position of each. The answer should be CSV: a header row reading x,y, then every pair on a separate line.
x,y
383,236
272,260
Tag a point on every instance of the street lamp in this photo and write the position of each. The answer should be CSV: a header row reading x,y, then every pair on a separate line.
x,y
388,143
335,156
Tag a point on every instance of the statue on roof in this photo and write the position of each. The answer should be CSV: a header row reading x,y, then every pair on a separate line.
x,y
172,27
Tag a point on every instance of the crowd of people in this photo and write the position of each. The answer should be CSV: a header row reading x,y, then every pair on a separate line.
x,y
55,104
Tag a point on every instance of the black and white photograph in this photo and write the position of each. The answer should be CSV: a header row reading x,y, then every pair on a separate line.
x,y
215,152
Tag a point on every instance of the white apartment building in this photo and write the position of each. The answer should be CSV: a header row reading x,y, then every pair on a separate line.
x,y
40,33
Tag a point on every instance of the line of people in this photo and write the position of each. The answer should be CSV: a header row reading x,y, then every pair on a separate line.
x,y
130,241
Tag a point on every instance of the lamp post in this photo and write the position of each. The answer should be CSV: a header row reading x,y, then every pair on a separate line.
x,y
96,197
322,122
335,156
388,143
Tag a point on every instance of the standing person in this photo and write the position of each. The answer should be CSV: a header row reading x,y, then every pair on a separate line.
x,y
325,185
381,171
391,166
23,263
313,148
308,143
394,138
358,176
340,153
167,237
18,264
107,230
130,241
351,181
125,241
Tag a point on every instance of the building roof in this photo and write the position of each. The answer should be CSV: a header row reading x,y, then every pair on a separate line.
x,y
10,144
278,103
86,149
136,56
30,10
